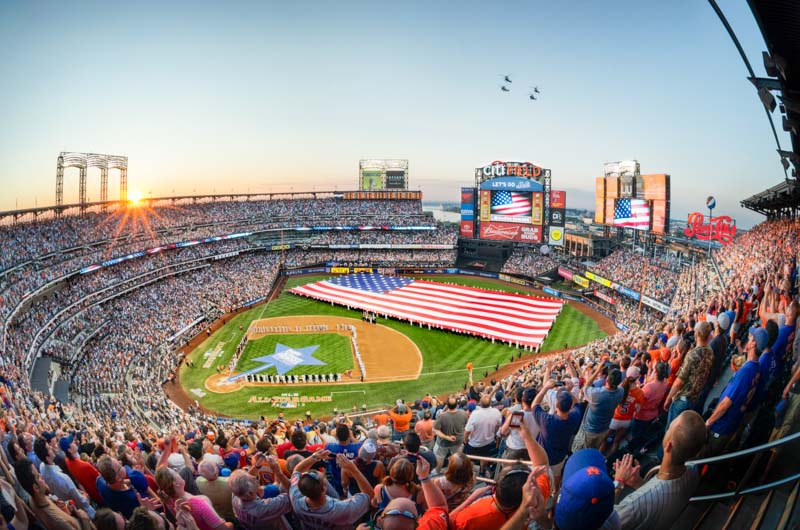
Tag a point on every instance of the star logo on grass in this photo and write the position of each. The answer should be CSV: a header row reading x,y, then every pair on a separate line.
x,y
284,359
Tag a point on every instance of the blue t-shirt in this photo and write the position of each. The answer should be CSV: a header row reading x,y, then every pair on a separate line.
x,y
123,502
767,372
738,390
784,337
602,403
555,433
350,451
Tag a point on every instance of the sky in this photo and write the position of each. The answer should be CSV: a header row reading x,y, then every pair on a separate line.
x,y
219,97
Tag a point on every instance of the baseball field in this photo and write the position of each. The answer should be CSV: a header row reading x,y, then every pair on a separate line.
x,y
313,341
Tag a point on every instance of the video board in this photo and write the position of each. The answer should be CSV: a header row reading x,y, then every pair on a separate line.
x,y
382,174
626,199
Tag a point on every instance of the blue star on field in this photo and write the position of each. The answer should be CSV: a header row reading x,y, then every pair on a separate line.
x,y
284,359
374,283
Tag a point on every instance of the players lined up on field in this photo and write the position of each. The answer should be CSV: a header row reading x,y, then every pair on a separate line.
x,y
294,379
288,329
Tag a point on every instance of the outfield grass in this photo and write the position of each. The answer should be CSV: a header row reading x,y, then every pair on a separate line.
x,y
444,355
334,350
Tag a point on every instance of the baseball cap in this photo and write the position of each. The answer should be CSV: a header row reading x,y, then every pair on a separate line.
x,y
270,491
384,432
48,435
225,472
471,406
663,337
724,321
564,401
175,461
368,447
189,436
64,442
587,493
529,395
232,460
760,336
633,372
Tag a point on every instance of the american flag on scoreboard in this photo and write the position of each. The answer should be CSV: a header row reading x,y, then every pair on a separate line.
x,y
632,213
508,317
511,203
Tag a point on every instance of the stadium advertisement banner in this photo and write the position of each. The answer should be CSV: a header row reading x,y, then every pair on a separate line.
x,y
525,233
551,292
655,304
565,273
599,279
511,184
467,204
467,229
630,293
558,199
556,235
486,205
580,280
558,216
571,297
340,270
722,228
537,201
512,279
599,198
604,297
622,327
312,270
254,302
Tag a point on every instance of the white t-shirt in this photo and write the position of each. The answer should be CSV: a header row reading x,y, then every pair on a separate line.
x,y
482,425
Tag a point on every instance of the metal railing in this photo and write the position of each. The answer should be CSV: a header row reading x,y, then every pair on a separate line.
x,y
740,490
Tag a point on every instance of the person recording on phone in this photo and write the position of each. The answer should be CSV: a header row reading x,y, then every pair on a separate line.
x,y
520,417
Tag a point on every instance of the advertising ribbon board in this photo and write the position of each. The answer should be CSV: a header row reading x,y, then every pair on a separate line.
x,y
551,291
580,280
599,279
565,273
603,296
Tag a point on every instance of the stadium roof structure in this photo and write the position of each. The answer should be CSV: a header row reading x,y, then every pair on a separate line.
x,y
781,200
779,22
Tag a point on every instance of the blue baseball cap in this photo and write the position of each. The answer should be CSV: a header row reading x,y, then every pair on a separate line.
x,y
232,460
760,336
64,443
587,492
271,491
225,472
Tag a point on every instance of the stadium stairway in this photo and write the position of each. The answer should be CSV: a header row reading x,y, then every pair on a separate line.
x,y
770,490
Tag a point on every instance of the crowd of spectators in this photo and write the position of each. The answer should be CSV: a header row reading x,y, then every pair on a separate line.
x,y
527,262
580,417
658,280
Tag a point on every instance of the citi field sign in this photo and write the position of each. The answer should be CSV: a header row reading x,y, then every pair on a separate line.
x,y
498,168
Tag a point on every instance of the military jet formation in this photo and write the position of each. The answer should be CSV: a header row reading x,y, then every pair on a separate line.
x,y
506,87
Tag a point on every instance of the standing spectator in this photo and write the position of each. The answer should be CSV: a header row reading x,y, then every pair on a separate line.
x,y
116,490
481,430
216,489
727,416
657,503
254,513
688,386
515,444
449,429
654,392
318,511
424,429
60,483
601,402
83,472
401,420
171,488
632,400
53,516
457,481
372,469
556,430
344,445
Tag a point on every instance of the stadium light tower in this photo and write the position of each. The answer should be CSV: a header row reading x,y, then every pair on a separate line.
x,y
83,161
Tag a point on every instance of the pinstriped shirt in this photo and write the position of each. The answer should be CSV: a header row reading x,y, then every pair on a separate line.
x,y
658,503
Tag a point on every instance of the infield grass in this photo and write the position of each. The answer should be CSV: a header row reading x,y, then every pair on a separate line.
x,y
334,350
444,355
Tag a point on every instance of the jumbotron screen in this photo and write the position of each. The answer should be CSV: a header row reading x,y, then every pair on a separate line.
x,y
640,202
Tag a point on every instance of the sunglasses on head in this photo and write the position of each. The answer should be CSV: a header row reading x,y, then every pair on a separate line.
x,y
312,474
401,513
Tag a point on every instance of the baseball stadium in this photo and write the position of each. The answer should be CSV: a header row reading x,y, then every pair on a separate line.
x,y
227,315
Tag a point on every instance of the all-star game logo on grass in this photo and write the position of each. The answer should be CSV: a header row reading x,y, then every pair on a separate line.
x,y
284,359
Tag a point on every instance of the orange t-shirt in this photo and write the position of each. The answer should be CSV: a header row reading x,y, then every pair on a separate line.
x,y
484,513
625,410
381,419
402,422
674,366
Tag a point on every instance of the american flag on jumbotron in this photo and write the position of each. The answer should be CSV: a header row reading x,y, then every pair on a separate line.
x,y
511,203
508,317
632,213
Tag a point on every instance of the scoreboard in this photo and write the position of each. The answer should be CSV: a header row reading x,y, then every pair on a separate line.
x,y
382,174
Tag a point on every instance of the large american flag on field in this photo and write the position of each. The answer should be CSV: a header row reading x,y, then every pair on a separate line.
x,y
512,318
511,203
632,213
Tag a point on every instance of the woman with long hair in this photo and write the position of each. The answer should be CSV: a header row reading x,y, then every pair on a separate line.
x,y
457,481
399,484
171,490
